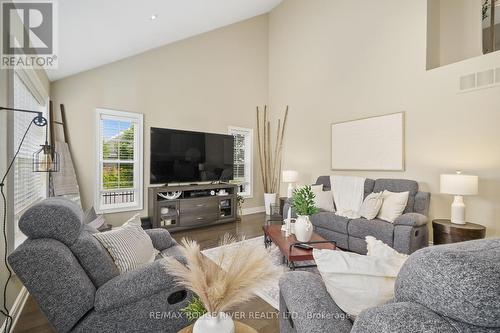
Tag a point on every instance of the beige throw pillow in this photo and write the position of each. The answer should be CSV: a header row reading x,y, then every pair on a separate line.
x,y
323,200
371,206
129,245
393,206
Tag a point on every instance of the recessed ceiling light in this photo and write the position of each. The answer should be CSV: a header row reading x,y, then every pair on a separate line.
x,y
153,17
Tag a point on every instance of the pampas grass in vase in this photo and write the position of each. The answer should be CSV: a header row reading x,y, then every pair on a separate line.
x,y
245,268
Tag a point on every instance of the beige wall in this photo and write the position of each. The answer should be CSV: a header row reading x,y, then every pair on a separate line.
x,y
454,31
204,83
330,67
326,75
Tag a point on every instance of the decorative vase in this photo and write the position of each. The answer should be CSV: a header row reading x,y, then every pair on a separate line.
x,y
269,199
303,228
221,323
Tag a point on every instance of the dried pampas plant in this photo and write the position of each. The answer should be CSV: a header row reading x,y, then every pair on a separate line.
x,y
245,268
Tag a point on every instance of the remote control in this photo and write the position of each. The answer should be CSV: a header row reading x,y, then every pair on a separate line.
x,y
304,246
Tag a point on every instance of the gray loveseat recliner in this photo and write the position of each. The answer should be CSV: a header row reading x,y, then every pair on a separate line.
x,y
77,285
407,234
441,289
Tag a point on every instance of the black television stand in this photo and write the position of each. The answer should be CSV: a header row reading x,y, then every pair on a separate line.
x,y
197,206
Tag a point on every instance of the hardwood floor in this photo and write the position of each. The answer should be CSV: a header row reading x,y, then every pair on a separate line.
x,y
257,313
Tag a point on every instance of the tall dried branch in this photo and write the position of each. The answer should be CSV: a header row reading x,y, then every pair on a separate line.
x,y
266,156
273,169
270,158
280,150
259,142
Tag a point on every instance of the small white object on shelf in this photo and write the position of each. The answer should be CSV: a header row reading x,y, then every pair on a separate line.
x,y
458,185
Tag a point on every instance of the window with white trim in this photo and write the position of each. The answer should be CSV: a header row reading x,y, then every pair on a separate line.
x,y
119,161
29,187
243,140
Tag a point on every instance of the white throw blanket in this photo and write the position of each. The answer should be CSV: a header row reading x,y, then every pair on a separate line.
x,y
348,194
64,182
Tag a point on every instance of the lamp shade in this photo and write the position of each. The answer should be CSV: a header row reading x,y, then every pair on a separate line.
x,y
290,176
459,184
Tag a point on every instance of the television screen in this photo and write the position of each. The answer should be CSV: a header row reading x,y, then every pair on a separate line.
x,y
184,156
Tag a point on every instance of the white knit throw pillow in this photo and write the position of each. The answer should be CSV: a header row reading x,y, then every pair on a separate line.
x,y
129,245
371,206
393,206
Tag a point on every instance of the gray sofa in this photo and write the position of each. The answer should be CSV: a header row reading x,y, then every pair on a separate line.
x,y
440,289
407,234
77,285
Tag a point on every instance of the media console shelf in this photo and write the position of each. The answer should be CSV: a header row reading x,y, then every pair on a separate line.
x,y
197,206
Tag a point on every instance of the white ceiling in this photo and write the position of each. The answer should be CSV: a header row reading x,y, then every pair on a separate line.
x,y
96,32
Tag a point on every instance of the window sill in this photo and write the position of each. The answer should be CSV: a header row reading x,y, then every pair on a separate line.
x,y
117,210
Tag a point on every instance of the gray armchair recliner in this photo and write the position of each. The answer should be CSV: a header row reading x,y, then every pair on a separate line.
x,y
78,287
440,289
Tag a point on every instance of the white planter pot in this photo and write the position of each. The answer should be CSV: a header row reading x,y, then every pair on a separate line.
x,y
303,228
222,323
269,199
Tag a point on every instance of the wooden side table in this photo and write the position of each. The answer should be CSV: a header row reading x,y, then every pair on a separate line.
x,y
445,232
239,328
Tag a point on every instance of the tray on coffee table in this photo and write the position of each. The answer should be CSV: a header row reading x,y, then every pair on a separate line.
x,y
287,246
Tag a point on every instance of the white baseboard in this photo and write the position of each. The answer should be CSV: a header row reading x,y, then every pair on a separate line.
x,y
253,210
17,308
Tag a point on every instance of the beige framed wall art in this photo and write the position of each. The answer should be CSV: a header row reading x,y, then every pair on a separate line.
x,y
369,144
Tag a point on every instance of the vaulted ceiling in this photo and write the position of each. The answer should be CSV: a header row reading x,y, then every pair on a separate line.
x,y
96,32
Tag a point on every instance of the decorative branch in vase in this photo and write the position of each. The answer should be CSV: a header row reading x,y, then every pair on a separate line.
x,y
220,285
270,156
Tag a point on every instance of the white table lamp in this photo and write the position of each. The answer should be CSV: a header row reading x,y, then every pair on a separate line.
x,y
459,185
290,177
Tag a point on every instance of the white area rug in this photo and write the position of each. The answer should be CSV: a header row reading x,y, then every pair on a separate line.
x,y
270,292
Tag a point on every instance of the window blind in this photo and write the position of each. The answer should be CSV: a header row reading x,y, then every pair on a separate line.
x,y
29,187
239,156
242,170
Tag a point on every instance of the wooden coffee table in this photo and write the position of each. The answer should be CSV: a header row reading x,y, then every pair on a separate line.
x,y
287,245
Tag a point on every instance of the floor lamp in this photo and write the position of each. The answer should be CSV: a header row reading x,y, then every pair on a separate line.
x,y
44,160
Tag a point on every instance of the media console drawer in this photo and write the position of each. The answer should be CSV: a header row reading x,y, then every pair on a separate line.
x,y
192,220
202,205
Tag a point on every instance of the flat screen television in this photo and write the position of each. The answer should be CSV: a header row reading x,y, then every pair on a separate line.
x,y
183,156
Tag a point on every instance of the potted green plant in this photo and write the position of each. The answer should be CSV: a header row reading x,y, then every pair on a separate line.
x,y
304,206
195,309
